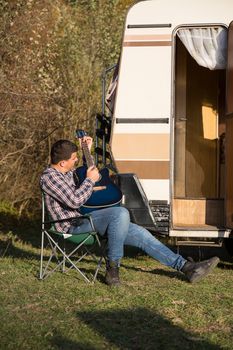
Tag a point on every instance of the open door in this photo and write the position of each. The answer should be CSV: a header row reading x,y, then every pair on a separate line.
x,y
229,132
199,139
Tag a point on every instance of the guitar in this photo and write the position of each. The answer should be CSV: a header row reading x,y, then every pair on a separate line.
x,y
105,193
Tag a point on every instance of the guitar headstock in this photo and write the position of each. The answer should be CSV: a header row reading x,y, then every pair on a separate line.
x,y
80,133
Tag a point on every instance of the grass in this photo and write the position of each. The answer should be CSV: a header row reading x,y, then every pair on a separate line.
x,y
155,308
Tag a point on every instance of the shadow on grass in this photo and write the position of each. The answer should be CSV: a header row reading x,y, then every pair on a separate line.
x,y
224,266
28,231
25,229
63,343
161,272
195,252
138,328
203,253
8,249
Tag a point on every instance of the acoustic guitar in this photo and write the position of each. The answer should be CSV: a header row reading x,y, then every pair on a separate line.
x,y
105,193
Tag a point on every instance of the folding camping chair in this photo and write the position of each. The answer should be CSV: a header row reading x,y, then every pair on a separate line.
x,y
80,246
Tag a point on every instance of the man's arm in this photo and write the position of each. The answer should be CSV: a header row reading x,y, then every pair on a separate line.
x,y
55,185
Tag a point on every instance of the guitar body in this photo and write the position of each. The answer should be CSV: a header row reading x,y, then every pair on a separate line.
x,y
104,198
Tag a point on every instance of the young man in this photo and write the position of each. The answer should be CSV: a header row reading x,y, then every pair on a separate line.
x,y
63,200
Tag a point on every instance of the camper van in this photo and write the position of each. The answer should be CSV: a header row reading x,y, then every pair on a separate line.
x,y
171,118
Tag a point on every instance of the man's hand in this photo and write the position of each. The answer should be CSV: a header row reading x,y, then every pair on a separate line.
x,y
93,173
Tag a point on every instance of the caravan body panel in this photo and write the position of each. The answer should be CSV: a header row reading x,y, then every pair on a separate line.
x,y
141,134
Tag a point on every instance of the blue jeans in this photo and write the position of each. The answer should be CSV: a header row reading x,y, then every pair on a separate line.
x,y
115,222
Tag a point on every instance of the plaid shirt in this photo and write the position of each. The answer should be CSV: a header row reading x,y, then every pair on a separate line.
x,y
62,197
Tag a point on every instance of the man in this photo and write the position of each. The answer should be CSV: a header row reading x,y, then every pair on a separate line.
x,y
63,200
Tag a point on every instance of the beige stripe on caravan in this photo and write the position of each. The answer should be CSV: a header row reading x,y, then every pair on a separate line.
x,y
141,146
145,169
147,43
148,40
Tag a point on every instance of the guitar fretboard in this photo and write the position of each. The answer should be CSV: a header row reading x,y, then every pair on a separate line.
x,y
87,154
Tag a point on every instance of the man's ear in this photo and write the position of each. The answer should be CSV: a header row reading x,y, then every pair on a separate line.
x,y
62,163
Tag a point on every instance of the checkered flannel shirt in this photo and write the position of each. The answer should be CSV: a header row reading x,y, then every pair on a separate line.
x,y
62,197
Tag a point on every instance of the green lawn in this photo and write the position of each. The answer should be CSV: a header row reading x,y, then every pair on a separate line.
x,y
155,308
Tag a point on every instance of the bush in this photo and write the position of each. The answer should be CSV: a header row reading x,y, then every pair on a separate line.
x,y
52,56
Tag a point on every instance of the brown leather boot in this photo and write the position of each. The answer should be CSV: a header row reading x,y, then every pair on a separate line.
x,y
112,274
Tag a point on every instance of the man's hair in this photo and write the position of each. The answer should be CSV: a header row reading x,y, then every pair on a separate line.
x,y
62,150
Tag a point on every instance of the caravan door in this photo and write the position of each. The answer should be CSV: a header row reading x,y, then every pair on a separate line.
x,y
229,133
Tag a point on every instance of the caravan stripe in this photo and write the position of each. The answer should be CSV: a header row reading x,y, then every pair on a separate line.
x,y
141,146
147,43
148,40
145,169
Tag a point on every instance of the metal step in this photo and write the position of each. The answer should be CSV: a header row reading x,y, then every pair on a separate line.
x,y
161,213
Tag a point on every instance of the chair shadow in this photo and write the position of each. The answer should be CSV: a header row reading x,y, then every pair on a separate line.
x,y
137,328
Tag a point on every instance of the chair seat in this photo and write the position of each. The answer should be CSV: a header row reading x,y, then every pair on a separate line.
x,y
77,238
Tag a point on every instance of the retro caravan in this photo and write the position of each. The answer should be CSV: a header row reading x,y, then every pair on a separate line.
x,y
171,103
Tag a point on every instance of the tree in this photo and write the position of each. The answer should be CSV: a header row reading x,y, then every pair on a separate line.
x,y
52,56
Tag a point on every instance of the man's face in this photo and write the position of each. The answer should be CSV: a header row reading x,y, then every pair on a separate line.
x,y
69,164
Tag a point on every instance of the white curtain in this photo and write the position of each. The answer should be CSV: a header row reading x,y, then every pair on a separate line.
x,y
208,46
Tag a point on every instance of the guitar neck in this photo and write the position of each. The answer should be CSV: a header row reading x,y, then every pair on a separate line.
x,y
87,155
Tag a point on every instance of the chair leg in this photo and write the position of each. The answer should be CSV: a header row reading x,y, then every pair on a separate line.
x,y
46,270
98,268
89,252
64,260
67,257
41,256
102,257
